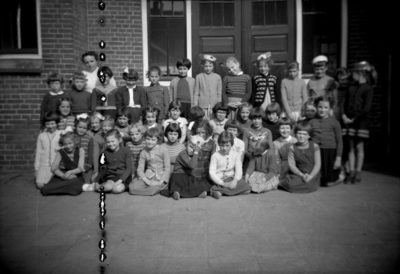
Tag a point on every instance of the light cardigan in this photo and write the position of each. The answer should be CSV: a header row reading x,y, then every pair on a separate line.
x,y
173,88
294,94
225,166
207,90
47,147
154,164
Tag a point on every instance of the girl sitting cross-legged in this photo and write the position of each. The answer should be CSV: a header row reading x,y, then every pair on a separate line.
x,y
226,169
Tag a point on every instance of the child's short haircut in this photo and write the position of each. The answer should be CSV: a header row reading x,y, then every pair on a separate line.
x,y
96,115
242,106
202,124
51,116
153,68
293,64
106,70
320,61
225,138
154,132
256,112
285,121
130,74
309,102
233,124
140,128
184,62
175,105
150,109
90,53
63,99
231,59
220,106
325,98
113,132
85,120
273,107
173,127
196,113
109,119
55,77
124,112
78,75
303,126
68,135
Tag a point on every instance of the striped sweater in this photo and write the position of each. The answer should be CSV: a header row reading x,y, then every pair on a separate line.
x,y
173,151
238,86
65,122
136,148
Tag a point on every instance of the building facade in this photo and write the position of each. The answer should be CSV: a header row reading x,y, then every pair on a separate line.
x,y
39,37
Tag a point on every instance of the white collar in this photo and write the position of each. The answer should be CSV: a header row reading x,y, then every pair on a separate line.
x,y
131,88
239,73
53,93
265,152
287,139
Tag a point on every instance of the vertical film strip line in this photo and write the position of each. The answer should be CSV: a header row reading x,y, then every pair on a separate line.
x,y
102,205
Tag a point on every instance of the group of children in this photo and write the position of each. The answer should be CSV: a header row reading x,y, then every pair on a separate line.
x,y
239,139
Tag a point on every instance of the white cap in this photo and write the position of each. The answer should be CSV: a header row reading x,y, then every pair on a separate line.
x,y
320,58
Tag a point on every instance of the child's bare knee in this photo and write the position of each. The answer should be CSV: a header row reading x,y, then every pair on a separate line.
x,y
117,189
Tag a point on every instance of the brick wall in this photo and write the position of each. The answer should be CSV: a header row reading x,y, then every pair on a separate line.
x,y
368,41
63,26
122,32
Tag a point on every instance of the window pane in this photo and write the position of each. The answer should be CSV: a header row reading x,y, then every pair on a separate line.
x,y
269,11
217,15
166,8
229,15
321,19
281,13
28,28
158,43
155,8
176,42
258,15
205,15
178,8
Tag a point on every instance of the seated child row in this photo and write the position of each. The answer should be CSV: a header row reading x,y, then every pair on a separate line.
x,y
222,157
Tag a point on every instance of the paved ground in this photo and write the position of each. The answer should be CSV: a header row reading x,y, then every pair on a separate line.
x,y
345,229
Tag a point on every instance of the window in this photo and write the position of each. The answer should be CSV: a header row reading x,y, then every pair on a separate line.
x,y
321,32
19,28
270,13
217,13
167,34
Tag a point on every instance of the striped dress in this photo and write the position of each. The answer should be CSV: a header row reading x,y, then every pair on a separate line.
x,y
173,151
65,122
136,148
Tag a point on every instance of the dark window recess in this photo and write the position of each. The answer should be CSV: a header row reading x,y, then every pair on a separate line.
x,y
167,35
215,13
18,27
321,32
269,13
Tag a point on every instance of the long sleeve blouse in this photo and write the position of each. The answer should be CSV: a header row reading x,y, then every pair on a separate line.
x,y
225,166
154,163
